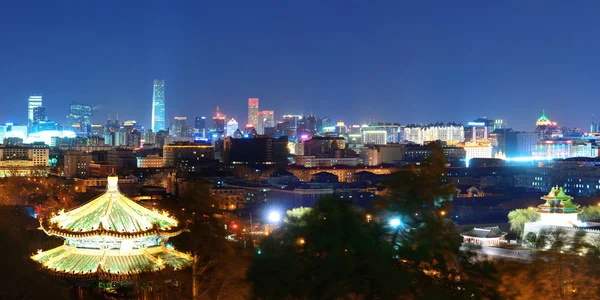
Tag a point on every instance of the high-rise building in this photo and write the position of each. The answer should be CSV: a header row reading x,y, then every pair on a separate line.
x,y
253,112
79,118
232,126
179,127
200,125
158,106
266,119
39,114
291,124
35,100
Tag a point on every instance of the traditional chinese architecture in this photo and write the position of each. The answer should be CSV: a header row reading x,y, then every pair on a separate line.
x,y
559,212
486,236
111,237
559,209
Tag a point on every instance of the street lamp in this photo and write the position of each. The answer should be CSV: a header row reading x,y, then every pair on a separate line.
x,y
394,222
369,217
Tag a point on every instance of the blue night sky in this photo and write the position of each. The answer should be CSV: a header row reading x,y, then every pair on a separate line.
x,y
403,61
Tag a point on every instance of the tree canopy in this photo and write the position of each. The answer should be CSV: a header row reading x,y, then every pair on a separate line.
x,y
518,217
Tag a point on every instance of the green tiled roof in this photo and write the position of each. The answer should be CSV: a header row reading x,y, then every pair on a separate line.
x,y
113,212
100,262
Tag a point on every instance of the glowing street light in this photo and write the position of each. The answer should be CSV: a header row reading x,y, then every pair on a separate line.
x,y
369,217
274,217
394,222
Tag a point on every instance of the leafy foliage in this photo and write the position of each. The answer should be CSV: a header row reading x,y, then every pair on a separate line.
x,y
590,213
337,254
518,217
297,216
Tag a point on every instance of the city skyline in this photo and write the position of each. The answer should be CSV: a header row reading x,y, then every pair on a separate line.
x,y
331,60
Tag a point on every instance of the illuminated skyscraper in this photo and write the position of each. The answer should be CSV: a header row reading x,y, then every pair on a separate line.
x,y
232,126
39,114
253,112
35,100
158,106
179,127
79,118
266,119
200,125
219,123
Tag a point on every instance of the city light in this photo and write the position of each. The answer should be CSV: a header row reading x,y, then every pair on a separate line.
x,y
394,222
274,217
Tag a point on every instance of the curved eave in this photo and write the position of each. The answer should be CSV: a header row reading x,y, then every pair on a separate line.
x,y
49,260
50,229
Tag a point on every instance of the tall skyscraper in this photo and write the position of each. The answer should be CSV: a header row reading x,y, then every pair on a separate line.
x,y
79,118
232,126
158,106
179,127
219,123
200,125
39,114
266,119
253,112
35,100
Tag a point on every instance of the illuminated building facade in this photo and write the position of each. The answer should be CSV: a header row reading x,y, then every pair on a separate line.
x,y
111,237
39,114
290,125
266,119
313,161
185,154
392,131
200,126
79,119
418,134
179,127
374,137
158,106
150,161
232,126
477,150
547,129
253,112
35,100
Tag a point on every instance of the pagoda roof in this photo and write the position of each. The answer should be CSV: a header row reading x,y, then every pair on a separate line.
x,y
558,202
485,232
110,214
70,261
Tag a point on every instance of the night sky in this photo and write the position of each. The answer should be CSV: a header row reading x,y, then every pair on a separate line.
x,y
408,62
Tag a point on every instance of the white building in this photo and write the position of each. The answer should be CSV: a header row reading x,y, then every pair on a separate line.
x,y
374,137
232,126
35,100
453,133
473,150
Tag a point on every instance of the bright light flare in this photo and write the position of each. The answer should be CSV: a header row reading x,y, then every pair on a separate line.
x,y
394,222
274,217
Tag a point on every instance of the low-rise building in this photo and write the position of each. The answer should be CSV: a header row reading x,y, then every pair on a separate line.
x,y
150,161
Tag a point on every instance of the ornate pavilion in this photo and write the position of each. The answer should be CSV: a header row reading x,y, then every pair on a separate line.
x,y
560,212
111,237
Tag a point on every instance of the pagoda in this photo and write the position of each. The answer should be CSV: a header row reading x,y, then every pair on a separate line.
x,y
111,237
558,209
